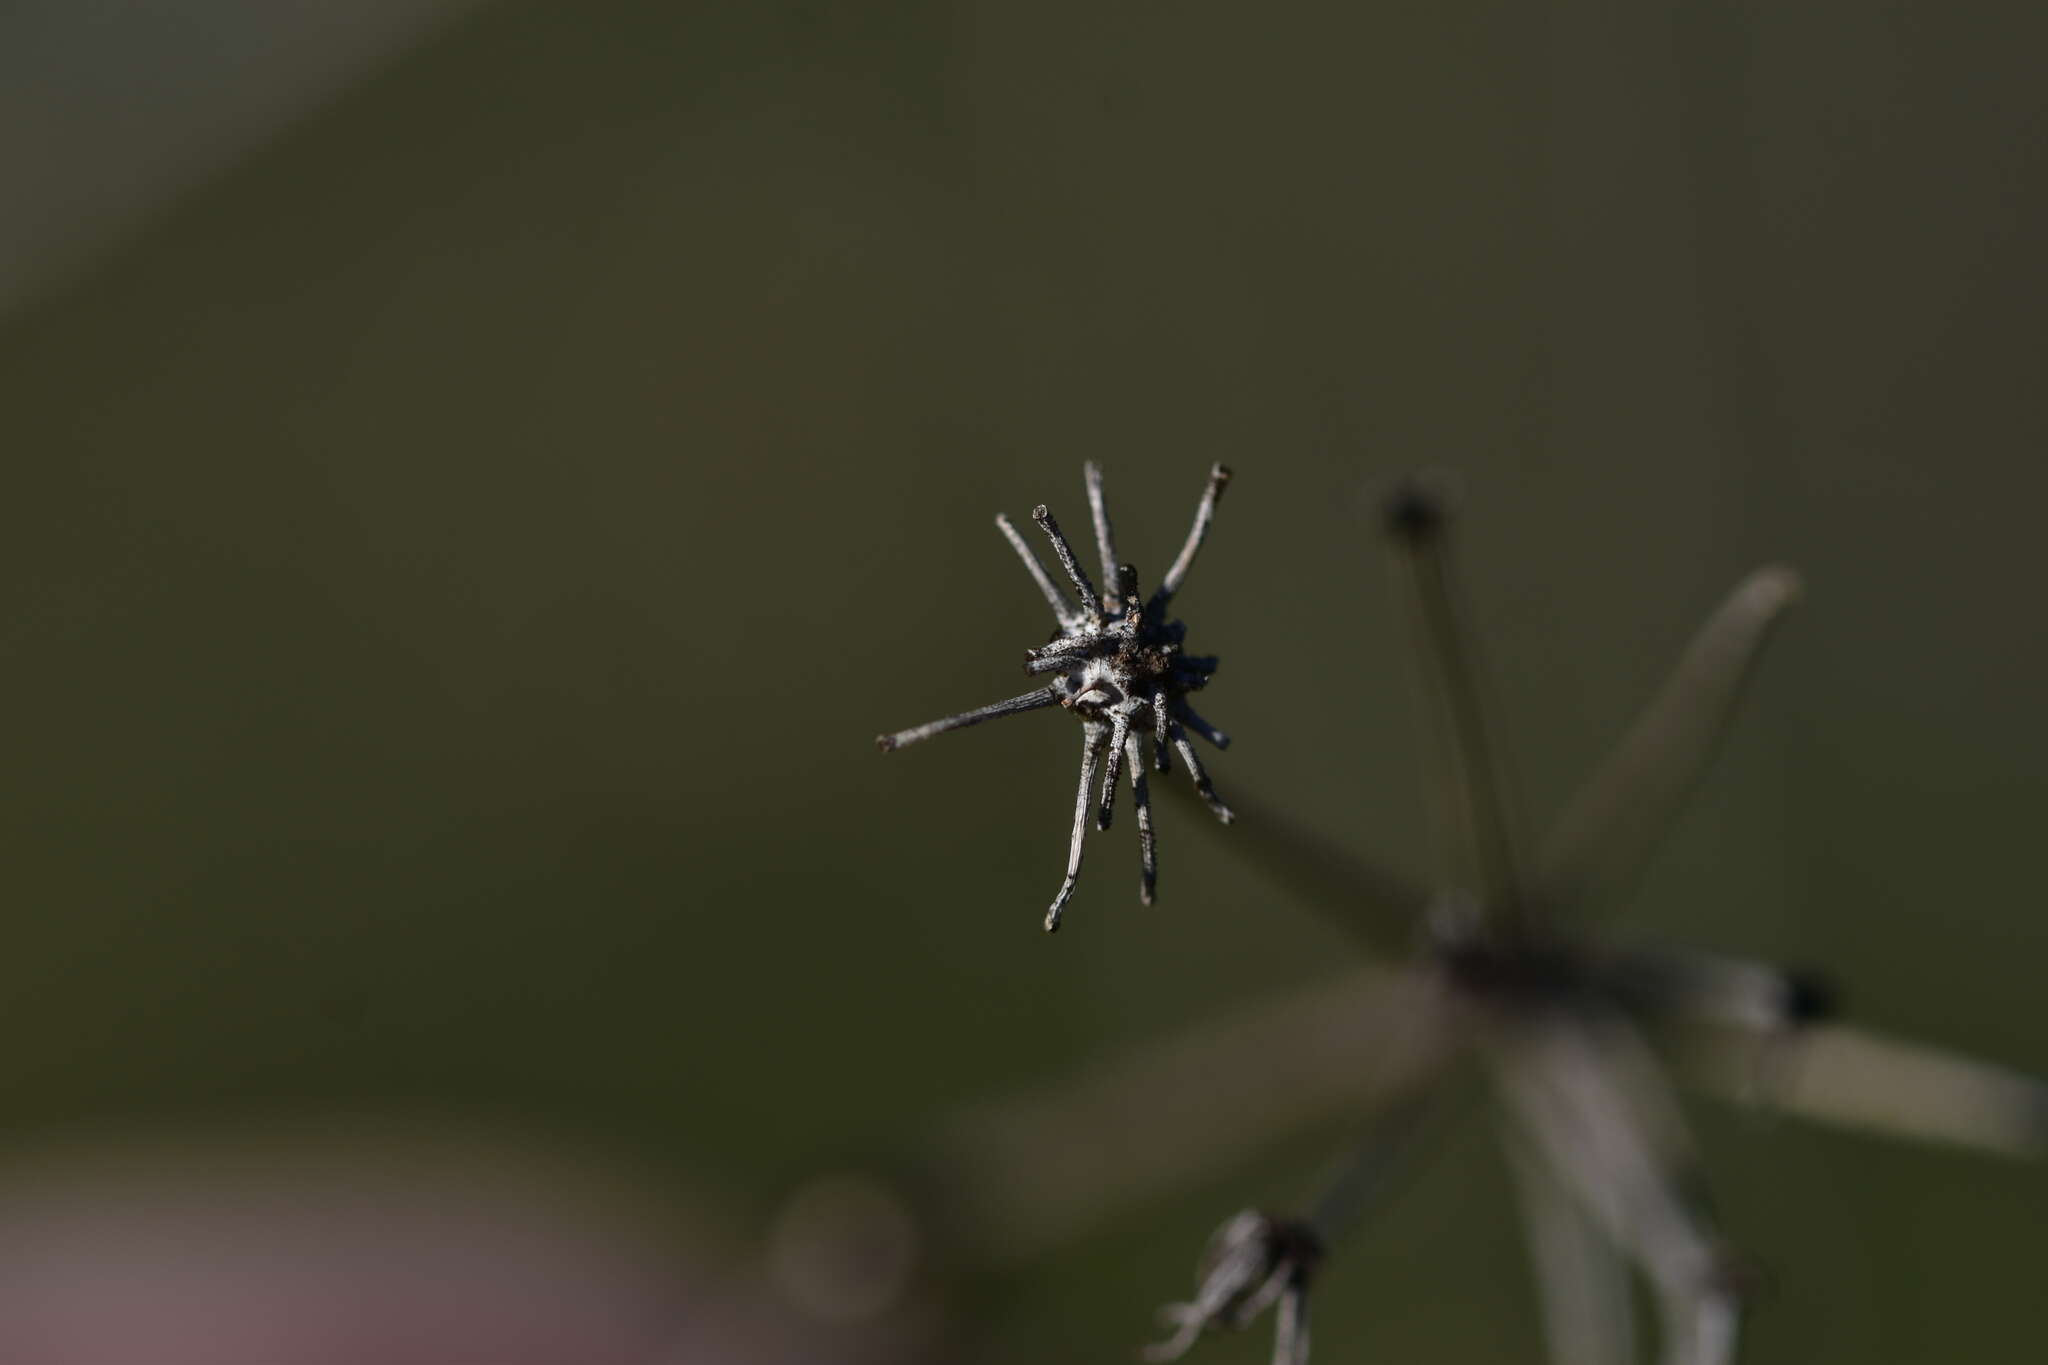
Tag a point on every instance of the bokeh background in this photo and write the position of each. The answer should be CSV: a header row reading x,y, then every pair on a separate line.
x,y
479,475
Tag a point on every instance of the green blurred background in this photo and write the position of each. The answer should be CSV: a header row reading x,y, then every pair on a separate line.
x,y
459,546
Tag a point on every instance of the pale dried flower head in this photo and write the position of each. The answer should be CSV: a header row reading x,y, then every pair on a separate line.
x,y
1116,662
1254,1262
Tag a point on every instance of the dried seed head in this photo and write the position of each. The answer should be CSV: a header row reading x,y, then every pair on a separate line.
x,y
1253,1262
1117,662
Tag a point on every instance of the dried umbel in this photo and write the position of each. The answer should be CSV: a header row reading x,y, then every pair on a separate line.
x,y
1556,1020
1254,1262
1116,661
1581,1040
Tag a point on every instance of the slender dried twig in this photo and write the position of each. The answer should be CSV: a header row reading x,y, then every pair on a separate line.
x,y
1062,610
1842,1075
1187,716
1588,1314
1205,512
1091,750
1563,1087
1610,828
1141,801
1203,786
1098,509
1030,701
1469,777
1378,906
1083,589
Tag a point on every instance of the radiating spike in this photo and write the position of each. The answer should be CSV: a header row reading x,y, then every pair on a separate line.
x,y
1056,663
1200,775
1471,788
1610,828
1085,590
1091,747
1030,701
1068,647
1205,513
1842,1075
1581,1278
1379,907
1119,734
1373,1169
1290,1329
1162,743
1062,610
1187,716
1265,1296
1187,1324
1141,799
1598,1114
1105,540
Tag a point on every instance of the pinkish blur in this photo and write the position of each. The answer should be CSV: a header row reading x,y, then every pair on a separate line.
x,y
353,1246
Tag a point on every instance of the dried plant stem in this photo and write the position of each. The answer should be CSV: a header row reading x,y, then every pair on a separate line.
x,y
1468,776
1205,513
1030,701
1610,827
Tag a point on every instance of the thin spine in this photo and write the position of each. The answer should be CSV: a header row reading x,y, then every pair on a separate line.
x,y
1030,701
1055,663
1377,906
1066,647
1091,746
1205,513
1188,1325
1119,736
1617,1154
1614,822
1162,743
1189,717
1269,1292
1098,508
1141,799
1888,1085
1235,1256
1581,1278
1369,1173
1062,609
1290,1328
1203,786
1472,785
1085,590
